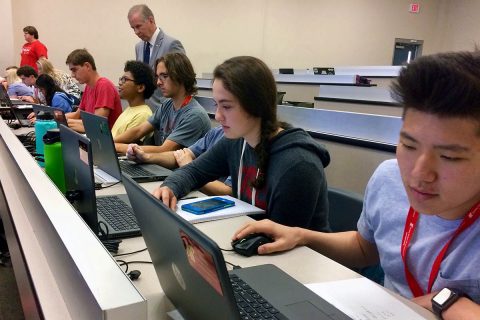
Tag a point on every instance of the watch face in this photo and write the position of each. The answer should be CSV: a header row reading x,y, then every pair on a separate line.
x,y
442,296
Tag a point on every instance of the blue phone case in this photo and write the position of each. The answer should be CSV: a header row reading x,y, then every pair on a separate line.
x,y
207,205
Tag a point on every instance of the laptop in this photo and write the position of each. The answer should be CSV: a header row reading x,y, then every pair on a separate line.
x,y
19,112
57,114
193,275
285,71
105,156
107,216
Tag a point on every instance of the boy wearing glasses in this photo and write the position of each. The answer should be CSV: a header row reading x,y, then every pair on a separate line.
x,y
136,85
180,121
100,96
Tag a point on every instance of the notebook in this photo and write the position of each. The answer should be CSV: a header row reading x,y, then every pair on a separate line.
x,y
57,114
108,216
193,275
105,156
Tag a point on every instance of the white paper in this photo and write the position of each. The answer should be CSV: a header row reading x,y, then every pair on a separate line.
x,y
239,209
362,299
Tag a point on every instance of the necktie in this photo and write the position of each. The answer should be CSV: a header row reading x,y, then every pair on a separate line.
x,y
146,53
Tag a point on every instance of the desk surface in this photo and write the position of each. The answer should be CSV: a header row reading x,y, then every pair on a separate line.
x,y
313,268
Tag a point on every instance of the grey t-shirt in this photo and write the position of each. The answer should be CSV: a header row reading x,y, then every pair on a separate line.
x,y
184,126
382,222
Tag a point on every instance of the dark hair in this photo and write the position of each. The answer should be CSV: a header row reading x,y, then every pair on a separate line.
x,y
444,84
47,83
143,9
142,74
180,70
79,57
31,30
27,71
250,80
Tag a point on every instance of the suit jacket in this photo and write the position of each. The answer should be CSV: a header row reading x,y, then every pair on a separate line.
x,y
163,45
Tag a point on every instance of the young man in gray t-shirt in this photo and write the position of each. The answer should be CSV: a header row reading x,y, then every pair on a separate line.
x,y
181,120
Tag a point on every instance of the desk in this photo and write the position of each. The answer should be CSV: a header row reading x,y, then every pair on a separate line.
x,y
371,100
302,263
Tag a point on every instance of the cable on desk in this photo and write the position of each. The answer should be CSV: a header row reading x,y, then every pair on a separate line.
x,y
110,185
133,252
227,249
233,265
126,263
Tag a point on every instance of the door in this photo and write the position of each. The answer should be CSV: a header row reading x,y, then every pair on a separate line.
x,y
406,50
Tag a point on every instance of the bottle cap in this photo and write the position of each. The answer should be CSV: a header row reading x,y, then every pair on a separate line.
x,y
52,136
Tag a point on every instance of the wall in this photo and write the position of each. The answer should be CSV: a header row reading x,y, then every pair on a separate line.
x,y
7,52
300,34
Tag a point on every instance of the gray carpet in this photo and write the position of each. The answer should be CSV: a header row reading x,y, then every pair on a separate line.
x,y
10,306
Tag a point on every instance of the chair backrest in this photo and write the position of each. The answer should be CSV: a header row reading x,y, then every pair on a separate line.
x,y
345,208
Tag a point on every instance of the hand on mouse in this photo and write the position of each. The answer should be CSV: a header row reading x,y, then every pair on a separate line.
x,y
285,238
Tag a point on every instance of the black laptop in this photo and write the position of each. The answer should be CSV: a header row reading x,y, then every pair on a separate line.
x,y
19,111
108,216
193,275
57,114
105,156
286,71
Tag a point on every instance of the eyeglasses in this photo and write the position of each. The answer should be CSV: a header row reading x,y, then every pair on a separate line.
x,y
161,76
124,79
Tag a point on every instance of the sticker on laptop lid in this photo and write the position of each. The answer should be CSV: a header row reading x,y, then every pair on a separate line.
x,y
201,261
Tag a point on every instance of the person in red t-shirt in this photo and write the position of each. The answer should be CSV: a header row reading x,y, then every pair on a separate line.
x,y
33,49
100,96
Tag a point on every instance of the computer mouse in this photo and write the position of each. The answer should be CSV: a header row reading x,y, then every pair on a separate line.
x,y
248,246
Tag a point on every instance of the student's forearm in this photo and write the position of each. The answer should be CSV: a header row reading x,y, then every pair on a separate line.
x,y
164,159
347,248
158,149
129,136
463,309
216,188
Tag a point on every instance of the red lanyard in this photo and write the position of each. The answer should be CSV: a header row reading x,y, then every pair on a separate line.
x,y
410,225
186,101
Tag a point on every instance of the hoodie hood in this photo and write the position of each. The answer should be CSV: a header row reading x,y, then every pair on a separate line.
x,y
66,97
299,138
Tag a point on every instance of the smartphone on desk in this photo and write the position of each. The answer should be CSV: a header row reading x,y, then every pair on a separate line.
x,y
207,205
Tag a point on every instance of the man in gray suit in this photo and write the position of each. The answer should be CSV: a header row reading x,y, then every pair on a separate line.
x,y
155,43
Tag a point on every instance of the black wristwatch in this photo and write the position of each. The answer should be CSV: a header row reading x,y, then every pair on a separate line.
x,y
444,299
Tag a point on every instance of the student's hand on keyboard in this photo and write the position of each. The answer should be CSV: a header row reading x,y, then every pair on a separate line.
x,y
32,117
183,156
27,99
135,153
166,195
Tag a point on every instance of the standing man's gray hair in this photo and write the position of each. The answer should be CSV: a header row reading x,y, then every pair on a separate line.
x,y
145,11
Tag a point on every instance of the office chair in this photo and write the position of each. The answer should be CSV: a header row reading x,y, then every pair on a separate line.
x,y
345,208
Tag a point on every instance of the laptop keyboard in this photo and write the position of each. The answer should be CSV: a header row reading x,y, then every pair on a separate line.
x,y
116,213
251,305
134,170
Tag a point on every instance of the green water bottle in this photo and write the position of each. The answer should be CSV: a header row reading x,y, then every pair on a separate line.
x,y
54,159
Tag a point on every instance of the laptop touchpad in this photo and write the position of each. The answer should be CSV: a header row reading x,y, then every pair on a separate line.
x,y
305,310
